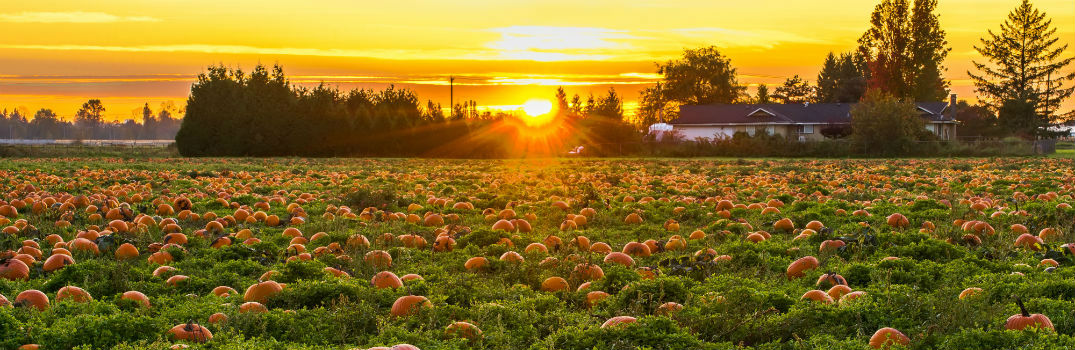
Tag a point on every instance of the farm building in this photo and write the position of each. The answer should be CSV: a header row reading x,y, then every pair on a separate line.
x,y
803,122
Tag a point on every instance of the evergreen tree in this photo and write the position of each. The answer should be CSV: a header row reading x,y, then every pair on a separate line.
x,y
842,79
1024,81
561,101
762,95
905,49
795,90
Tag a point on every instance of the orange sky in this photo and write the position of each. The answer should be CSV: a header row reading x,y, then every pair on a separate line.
x,y
129,52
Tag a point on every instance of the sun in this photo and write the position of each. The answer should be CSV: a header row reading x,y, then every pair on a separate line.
x,y
537,107
538,112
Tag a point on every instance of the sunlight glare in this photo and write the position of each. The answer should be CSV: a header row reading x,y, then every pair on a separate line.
x,y
537,107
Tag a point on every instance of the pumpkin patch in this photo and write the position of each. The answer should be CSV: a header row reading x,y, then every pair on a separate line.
x,y
526,254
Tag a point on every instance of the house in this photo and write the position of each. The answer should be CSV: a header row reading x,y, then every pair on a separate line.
x,y
802,122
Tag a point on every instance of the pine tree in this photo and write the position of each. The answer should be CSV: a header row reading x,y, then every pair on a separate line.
x,y
1024,82
561,100
842,79
763,95
795,90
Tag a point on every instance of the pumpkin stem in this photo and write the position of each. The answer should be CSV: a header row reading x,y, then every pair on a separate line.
x,y
1022,308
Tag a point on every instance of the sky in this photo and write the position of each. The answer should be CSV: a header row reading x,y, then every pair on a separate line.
x,y
57,54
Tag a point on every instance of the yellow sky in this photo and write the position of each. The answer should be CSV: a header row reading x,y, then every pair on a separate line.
x,y
57,54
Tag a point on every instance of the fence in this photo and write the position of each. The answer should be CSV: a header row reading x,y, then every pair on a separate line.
x,y
781,147
87,148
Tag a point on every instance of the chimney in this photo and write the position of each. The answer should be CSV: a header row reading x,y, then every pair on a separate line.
x,y
952,107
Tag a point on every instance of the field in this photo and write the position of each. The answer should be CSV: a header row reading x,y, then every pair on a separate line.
x,y
548,254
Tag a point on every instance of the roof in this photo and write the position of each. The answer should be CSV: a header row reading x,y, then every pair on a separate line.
x,y
778,113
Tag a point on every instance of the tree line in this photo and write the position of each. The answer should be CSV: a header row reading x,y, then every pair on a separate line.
x,y
1021,83
234,113
89,124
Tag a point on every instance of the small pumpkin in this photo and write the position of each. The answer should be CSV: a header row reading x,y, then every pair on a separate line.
x,y
1025,319
799,267
886,337
409,304
618,320
191,332
386,279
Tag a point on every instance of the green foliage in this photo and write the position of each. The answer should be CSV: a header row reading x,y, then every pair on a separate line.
x,y
883,125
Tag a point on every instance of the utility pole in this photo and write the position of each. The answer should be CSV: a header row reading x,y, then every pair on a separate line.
x,y
451,97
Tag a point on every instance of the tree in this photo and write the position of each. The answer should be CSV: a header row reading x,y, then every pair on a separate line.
x,y
91,112
701,76
882,124
610,106
762,95
905,49
561,101
1024,81
46,124
976,121
842,79
89,118
603,126
835,131
795,90
576,105
17,125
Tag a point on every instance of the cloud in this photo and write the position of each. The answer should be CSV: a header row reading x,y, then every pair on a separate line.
x,y
529,43
726,37
559,38
547,43
71,17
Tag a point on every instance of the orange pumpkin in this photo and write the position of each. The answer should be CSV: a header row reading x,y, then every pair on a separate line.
x,y
511,257
14,269
798,268
886,337
126,251
463,330
57,261
379,259
476,263
262,291
1025,319
32,298
253,307
136,297
73,293
969,292
224,291
897,220
554,284
817,295
408,305
386,279
619,258
191,332
618,320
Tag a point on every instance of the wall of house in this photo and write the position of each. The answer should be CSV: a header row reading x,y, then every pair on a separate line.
x,y
693,132
813,135
944,131
789,131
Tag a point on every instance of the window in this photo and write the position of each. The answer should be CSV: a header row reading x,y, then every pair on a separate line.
x,y
751,130
806,129
770,130
932,128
